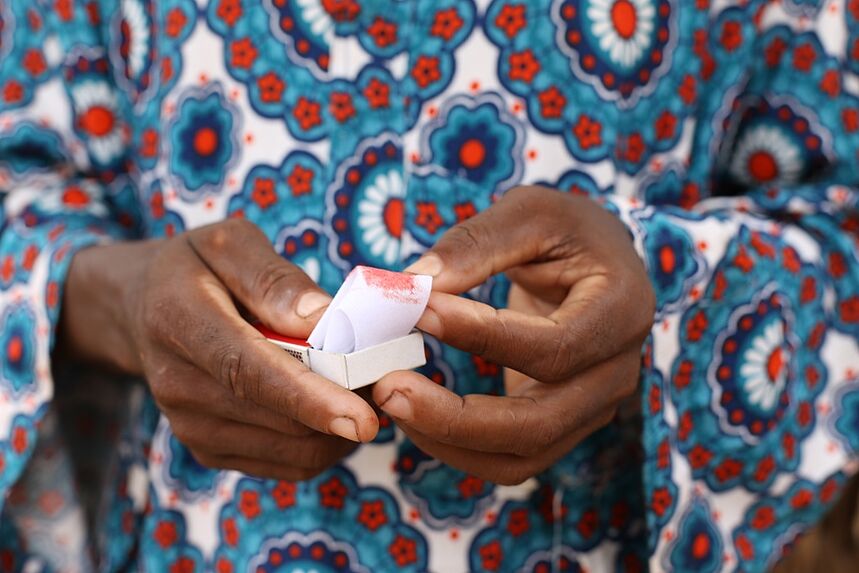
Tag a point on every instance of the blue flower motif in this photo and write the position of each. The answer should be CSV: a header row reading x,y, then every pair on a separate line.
x,y
475,140
699,543
671,261
19,347
202,141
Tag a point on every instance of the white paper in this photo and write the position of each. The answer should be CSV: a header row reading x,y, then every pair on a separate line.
x,y
372,306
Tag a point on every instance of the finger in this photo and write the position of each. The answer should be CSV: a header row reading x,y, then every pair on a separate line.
x,y
277,292
183,387
205,328
225,438
549,348
523,425
504,236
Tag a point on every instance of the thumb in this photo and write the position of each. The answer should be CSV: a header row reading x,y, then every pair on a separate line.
x,y
510,233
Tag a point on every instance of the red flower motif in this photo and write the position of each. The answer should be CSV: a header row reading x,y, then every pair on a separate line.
x,y
523,66
588,132
631,148
263,193
665,126
341,106
342,10
426,71
384,33
165,534
732,36
850,118
19,440
484,367
332,493
229,11
688,89
300,181
13,92
511,19
64,9
306,112
699,457
446,24
763,518
831,83
231,532
284,494
661,500
663,454
464,211
470,486
684,375
249,504
377,93
244,53
696,327
519,522
774,52
491,556
403,550
373,515
34,62
149,143
588,523
803,57
728,470
176,21
849,309
801,499
428,217
270,87
685,426
223,566
182,565
552,103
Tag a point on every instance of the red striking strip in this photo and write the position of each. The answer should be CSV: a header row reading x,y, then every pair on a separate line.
x,y
269,333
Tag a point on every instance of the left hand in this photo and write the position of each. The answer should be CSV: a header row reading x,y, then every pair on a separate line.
x,y
581,308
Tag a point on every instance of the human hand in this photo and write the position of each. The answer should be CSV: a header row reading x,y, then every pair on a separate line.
x,y
169,310
581,308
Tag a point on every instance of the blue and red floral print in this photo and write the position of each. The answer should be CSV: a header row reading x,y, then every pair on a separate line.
x,y
723,134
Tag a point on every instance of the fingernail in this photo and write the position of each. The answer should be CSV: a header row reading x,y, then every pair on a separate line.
x,y
430,323
397,406
310,303
429,264
345,428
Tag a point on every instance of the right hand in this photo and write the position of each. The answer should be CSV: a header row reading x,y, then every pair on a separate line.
x,y
169,310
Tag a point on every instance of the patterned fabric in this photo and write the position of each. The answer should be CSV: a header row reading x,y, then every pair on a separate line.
x,y
723,134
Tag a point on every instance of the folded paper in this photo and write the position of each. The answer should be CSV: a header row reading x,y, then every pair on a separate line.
x,y
372,307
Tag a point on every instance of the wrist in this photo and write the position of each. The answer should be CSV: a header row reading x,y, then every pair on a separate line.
x,y
100,305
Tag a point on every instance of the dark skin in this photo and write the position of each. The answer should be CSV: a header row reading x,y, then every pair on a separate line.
x,y
172,310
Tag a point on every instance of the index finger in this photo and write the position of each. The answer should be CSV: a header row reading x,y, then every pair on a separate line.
x,y
549,348
524,424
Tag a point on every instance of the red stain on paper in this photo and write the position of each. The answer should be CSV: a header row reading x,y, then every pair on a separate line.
x,y
400,287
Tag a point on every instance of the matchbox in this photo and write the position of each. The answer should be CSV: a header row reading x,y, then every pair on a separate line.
x,y
355,369
367,331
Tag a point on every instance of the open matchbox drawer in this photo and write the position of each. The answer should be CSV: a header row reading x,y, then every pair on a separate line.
x,y
357,369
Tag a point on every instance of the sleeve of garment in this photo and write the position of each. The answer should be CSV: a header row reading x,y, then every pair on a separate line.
x,y
751,378
62,151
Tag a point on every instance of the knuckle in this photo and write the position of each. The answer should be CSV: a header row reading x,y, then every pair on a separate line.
x,y
231,370
272,282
